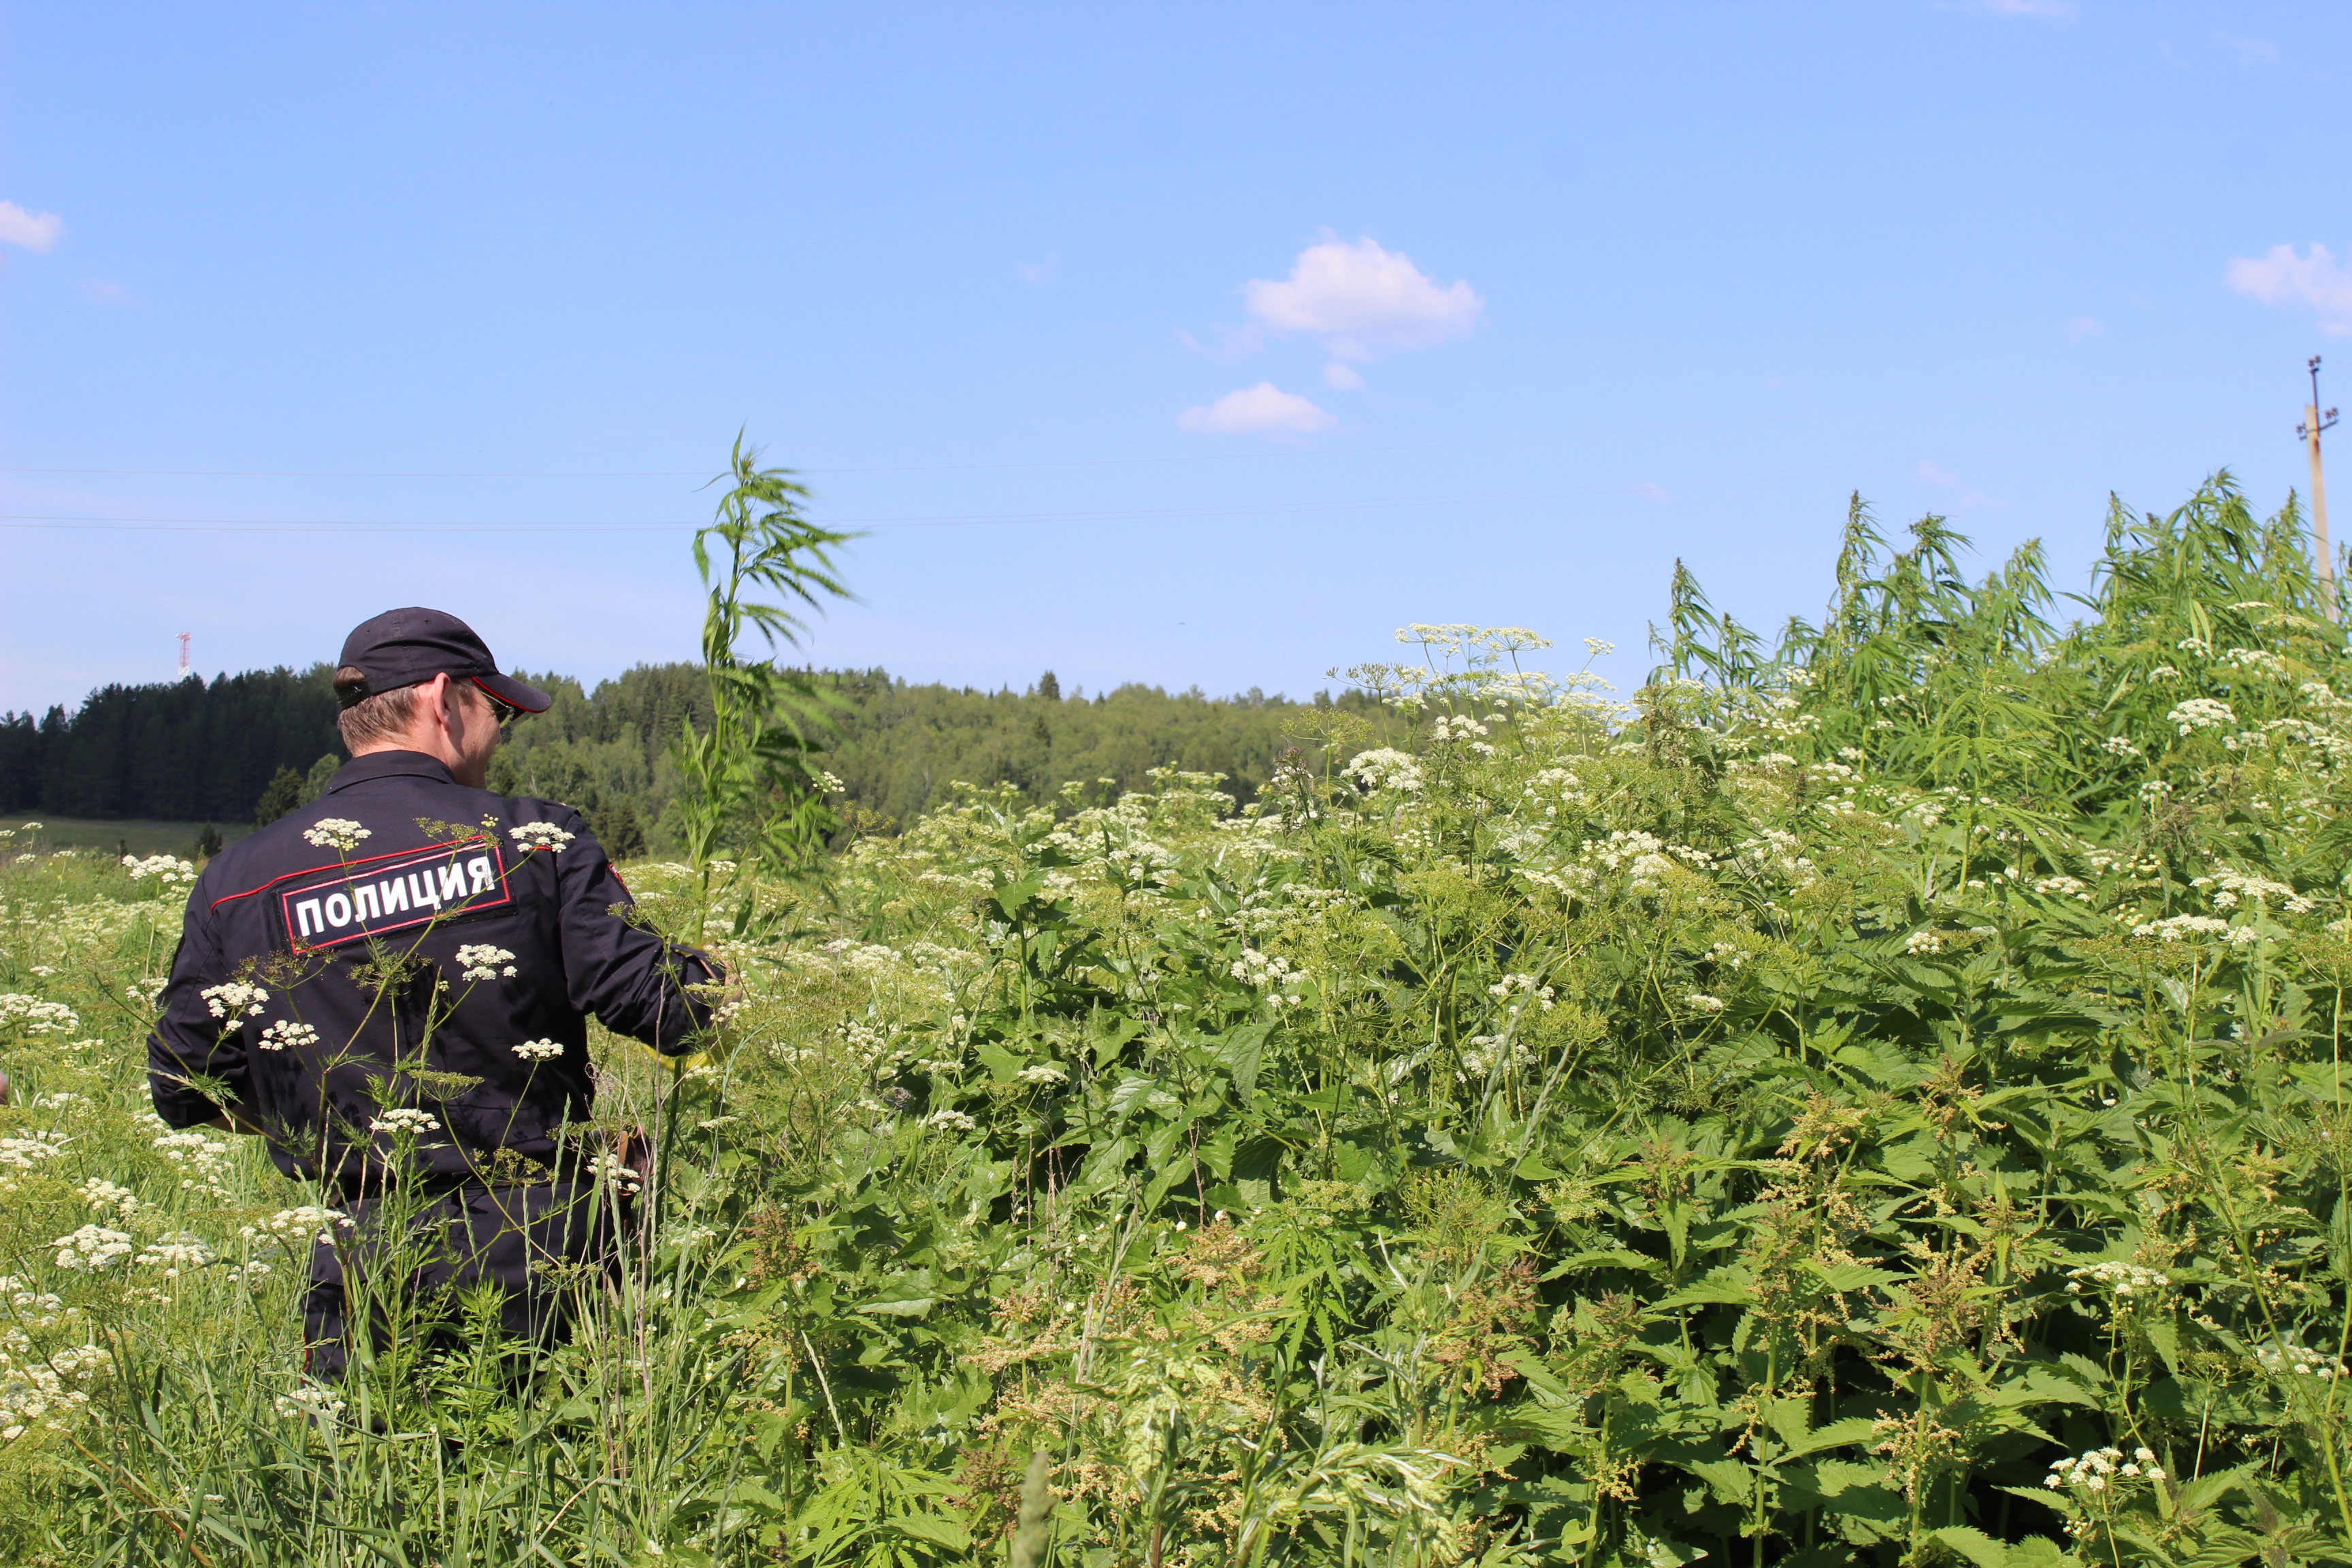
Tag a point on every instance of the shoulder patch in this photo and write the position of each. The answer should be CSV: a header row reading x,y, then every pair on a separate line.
x,y
339,904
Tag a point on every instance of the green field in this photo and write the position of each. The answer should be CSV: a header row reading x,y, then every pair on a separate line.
x,y
1876,1104
123,837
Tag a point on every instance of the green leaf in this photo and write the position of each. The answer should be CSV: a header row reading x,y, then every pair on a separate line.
x,y
1973,1544
934,1527
1836,1434
1729,1285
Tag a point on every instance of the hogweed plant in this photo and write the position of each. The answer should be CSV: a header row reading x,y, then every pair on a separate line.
x,y
1873,1098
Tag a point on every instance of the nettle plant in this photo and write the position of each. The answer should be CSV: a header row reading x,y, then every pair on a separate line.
x,y
1875,1100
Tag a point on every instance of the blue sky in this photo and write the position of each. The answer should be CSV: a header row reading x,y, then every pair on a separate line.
x,y
1185,344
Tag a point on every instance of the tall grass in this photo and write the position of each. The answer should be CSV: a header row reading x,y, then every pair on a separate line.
x,y
1872,1099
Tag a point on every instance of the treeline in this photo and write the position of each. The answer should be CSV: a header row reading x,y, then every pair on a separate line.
x,y
177,751
264,742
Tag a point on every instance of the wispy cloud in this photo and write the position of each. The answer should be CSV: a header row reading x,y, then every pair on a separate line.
x,y
1964,496
1345,377
1263,409
98,292
1363,300
2082,327
2039,10
34,231
1042,272
2318,282
2253,51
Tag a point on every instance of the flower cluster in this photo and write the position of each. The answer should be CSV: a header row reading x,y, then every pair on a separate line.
x,y
480,961
2285,1358
403,1121
540,835
32,1389
1271,973
204,1159
2123,1280
307,1222
36,1016
1046,1074
1386,768
949,1120
233,997
2230,887
100,1194
2095,1471
1140,861
310,1402
168,870
19,1153
336,832
92,1248
287,1035
1449,728
1921,943
611,1168
2201,713
2180,928
176,1253
1700,1001
538,1050
1481,1054
2258,658
1522,986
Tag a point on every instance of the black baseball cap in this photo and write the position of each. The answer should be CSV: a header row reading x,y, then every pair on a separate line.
x,y
403,648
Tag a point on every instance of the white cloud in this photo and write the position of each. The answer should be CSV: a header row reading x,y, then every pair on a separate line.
x,y
2082,327
2041,10
1265,408
2317,281
2253,51
1965,495
1346,377
1362,299
1042,272
34,231
98,292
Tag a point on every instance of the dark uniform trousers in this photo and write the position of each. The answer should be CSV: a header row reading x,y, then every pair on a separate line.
x,y
383,1049
541,1243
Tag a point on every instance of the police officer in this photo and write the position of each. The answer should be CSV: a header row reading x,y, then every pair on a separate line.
x,y
392,987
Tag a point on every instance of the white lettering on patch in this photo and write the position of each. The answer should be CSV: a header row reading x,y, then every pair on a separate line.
x,y
403,889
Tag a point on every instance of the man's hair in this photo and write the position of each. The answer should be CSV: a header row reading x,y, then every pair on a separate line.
x,y
382,717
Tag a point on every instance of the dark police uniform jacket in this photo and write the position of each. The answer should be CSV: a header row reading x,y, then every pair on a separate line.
x,y
367,1007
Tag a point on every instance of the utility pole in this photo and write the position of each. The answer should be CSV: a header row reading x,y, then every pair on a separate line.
x,y
2314,422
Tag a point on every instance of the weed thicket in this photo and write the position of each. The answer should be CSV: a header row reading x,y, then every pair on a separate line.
x,y
1876,1101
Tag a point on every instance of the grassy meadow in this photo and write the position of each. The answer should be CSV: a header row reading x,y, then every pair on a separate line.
x,y
1873,1098
41,831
